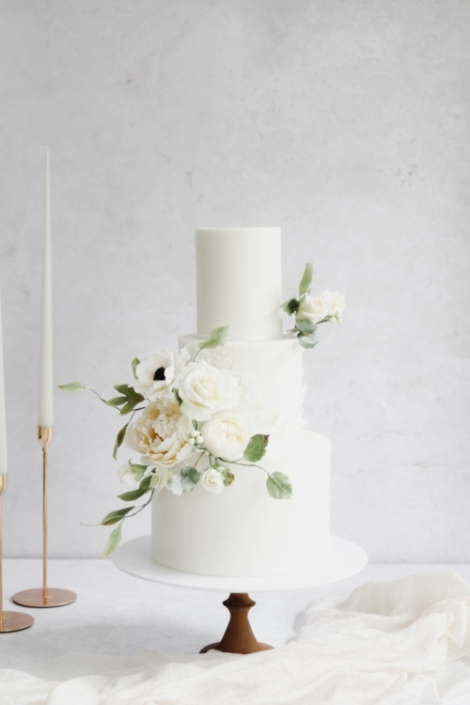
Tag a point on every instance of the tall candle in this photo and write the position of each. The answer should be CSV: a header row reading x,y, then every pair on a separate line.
x,y
46,384
3,430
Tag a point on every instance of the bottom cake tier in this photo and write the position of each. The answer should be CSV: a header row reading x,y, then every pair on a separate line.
x,y
243,531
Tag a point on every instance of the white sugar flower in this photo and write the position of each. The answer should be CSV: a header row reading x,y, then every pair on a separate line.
x,y
328,306
161,434
160,478
226,435
337,304
126,474
212,481
158,373
204,390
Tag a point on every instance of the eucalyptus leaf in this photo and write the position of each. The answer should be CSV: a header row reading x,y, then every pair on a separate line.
x,y
119,440
305,325
256,448
116,515
113,541
215,338
190,477
307,341
116,401
307,278
291,306
134,364
279,486
73,387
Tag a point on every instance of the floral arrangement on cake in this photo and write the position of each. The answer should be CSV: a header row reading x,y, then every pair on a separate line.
x,y
182,410
311,311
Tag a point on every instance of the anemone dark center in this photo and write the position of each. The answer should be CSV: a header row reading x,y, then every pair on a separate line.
x,y
159,375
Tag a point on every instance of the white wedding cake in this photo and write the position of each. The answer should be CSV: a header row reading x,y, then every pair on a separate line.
x,y
243,531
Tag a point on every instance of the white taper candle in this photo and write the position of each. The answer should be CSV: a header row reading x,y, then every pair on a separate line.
x,y
46,384
3,430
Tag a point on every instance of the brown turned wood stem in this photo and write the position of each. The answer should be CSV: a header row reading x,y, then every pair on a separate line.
x,y
238,637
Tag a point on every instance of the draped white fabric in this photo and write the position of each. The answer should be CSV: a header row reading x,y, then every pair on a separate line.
x,y
395,643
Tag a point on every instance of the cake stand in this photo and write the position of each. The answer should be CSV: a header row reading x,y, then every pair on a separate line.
x,y
345,559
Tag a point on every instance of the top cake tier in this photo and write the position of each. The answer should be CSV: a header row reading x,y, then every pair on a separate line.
x,y
239,282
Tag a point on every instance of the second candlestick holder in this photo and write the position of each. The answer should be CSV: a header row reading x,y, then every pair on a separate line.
x,y
45,596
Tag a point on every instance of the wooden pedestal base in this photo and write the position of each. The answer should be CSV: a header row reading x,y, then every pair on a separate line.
x,y
238,637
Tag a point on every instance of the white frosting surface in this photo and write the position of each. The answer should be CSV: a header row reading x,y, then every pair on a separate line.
x,y
239,281
243,531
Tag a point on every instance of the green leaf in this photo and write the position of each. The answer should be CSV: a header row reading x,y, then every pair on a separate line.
x,y
215,338
73,387
190,477
256,448
132,495
178,399
306,281
134,364
119,440
116,401
145,484
113,541
304,325
290,306
131,398
227,476
279,486
307,341
117,515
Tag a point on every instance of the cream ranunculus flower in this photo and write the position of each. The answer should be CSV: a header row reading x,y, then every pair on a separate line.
x,y
226,435
158,373
204,390
161,434
212,481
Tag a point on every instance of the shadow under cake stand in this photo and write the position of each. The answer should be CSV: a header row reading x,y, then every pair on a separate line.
x,y
345,559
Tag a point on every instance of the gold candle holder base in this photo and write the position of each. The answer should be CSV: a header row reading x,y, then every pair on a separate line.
x,y
15,622
52,597
44,596
9,621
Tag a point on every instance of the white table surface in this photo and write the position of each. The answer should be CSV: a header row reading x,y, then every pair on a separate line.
x,y
118,614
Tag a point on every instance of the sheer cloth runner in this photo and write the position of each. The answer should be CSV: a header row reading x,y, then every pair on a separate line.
x,y
394,643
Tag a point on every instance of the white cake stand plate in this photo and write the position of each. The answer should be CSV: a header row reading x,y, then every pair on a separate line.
x,y
345,559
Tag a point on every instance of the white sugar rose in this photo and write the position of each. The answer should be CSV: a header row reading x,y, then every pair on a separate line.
x,y
161,434
212,481
159,372
313,308
337,304
126,474
160,478
204,390
328,306
226,435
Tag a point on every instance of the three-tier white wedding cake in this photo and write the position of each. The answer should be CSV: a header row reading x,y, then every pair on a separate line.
x,y
244,531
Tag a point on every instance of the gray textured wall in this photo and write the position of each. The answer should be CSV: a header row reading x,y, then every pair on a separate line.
x,y
346,123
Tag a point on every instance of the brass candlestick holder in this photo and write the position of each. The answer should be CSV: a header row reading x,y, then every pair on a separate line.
x,y
44,596
9,621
